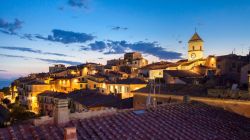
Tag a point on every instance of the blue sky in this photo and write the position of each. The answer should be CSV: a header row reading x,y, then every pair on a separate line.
x,y
35,34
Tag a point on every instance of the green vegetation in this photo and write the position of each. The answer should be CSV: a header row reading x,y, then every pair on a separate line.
x,y
19,113
5,90
6,101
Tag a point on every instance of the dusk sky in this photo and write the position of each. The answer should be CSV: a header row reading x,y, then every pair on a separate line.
x,y
35,34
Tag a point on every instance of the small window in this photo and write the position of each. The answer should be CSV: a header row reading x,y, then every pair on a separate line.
x,y
159,103
193,47
233,65
94,85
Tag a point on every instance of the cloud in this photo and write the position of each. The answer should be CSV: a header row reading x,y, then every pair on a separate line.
x,y
98,45
59,61
117,28
67,37
10,27
26,36
155,49
3,70
23,49
118,47
79,3
44,60
12,56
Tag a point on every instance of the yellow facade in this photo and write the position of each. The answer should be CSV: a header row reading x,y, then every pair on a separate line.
x,y
33,91
67,85
124,89
95,84
157,73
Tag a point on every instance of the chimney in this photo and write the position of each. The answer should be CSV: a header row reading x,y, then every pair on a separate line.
x,y
186,99
70,133
61,113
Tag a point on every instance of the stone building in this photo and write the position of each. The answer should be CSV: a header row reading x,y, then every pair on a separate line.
x,y
56,68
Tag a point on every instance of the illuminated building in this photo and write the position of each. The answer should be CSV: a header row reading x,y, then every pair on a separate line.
x,y
68,84
57,68
124,87
195,62
96,81
29,92
195,48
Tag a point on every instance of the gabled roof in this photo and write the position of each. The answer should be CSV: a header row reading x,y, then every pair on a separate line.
x,y
92,98
182,73
195,38
129,81
60,95
158,65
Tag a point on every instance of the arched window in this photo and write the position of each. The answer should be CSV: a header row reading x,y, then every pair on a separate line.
x,y
200,47
193,48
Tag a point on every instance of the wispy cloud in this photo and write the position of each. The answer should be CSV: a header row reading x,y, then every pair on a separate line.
x,y
118,47
13,56
59,61
67,37
3,70
79,3
117,28
24,49
10,27
51,61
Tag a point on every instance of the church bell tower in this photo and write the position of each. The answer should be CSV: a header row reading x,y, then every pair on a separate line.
x,y
195,48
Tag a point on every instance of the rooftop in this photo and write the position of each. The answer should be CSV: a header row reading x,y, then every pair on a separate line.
x,y
182,73
92,98
60,95
172,121
129,81
195,38
158,65
177,89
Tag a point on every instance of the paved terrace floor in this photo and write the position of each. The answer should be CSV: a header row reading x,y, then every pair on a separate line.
x,y
241,107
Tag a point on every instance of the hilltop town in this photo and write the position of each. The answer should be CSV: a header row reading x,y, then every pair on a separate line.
x,y
69,94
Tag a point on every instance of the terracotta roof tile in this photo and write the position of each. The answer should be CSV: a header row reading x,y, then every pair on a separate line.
x,y
173,121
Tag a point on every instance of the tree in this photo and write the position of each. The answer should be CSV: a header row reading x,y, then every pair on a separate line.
x,y
19,113
6,101
6,90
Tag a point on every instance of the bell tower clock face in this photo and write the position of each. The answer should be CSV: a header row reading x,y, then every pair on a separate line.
x,y
193,55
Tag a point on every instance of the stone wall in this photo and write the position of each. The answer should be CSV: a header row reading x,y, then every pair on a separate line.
x,y
88,114
227,93
43,120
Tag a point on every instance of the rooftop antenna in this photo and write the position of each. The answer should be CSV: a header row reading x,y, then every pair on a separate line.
x,y
195,29
154,100
148,102
152,88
